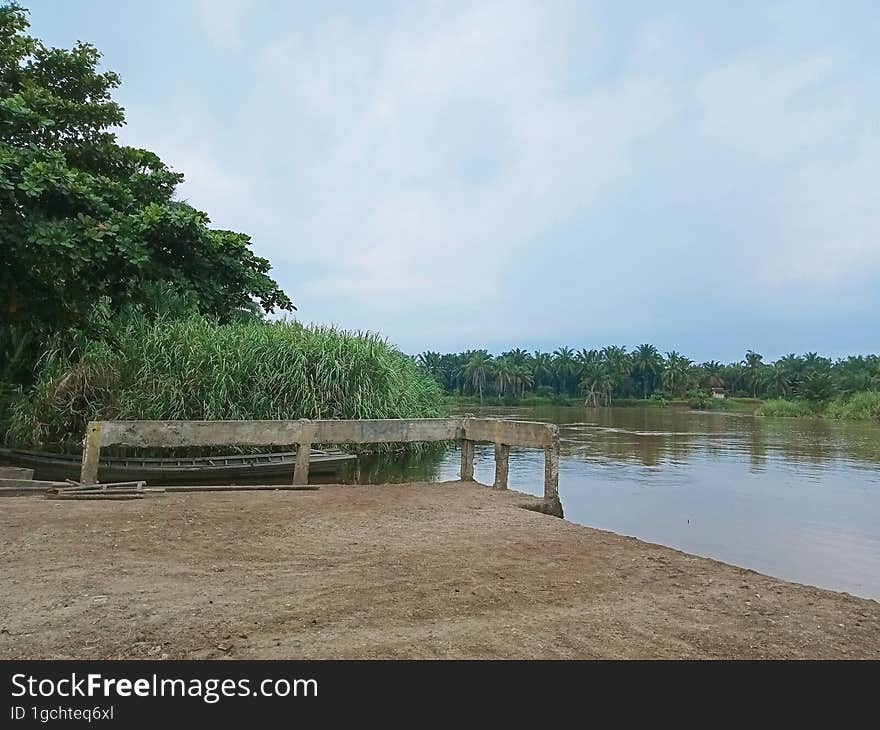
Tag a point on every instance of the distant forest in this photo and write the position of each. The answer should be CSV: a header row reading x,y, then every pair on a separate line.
x,y
602,376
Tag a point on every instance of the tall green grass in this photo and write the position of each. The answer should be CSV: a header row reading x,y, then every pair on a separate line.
x,y
195,369
861,406
786,408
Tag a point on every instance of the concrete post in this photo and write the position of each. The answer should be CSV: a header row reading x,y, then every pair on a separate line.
x,y
91,454
301,467
551,471
466,473
303,455
502,460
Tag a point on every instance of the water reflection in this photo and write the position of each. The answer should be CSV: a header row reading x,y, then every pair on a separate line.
x,y
795,498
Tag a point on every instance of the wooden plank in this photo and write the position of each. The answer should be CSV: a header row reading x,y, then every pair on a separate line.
x,y
96,495
16,472
243,488
36,485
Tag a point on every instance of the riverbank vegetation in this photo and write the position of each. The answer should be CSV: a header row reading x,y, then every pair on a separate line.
x,y
198,369
119,300
794,385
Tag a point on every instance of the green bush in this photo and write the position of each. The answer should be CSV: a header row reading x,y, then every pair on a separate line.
x,y
786,408
862,406
196,369
702,401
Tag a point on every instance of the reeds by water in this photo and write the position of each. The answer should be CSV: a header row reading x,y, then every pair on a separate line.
x,y
196,369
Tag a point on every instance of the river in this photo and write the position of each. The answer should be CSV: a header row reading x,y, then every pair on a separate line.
x,y
797,499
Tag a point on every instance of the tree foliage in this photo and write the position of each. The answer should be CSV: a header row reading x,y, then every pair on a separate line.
x,y
600,376
85,219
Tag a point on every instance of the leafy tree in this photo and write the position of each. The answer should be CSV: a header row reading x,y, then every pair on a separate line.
x,y
84,219
817,386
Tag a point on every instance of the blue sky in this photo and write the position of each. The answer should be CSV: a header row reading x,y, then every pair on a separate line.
x,y
700,175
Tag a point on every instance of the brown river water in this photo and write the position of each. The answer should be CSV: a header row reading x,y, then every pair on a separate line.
x,y
798,499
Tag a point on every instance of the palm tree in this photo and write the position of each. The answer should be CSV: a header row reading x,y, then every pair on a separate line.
x,y
617,367
813,361
477,370
433,363
733,375
754,368
817,385
595,382
647,364
676,372
779,380
792,368
517,356
712,374
565,368
503,371
521,378
542,368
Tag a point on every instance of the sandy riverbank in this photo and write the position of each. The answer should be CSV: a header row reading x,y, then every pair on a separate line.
x,y
399,571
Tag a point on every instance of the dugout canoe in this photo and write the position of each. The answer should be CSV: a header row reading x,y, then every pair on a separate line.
x,y
273,468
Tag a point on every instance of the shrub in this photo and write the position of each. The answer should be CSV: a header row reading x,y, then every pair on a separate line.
x,y
858,407
785,408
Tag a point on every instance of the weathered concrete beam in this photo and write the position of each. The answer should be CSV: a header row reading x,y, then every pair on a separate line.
x,y
274,433
530,434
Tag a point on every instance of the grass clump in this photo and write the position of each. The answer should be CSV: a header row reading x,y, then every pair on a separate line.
x,y
863,406
196,369
786,408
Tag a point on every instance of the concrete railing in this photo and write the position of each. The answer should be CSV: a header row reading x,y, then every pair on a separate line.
x,y
467,431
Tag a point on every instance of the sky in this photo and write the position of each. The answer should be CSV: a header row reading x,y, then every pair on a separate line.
x,y
698,175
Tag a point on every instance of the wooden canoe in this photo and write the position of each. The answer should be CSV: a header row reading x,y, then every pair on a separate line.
x,y
273,468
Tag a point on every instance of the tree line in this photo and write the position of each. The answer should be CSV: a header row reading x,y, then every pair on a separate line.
x,y
601,376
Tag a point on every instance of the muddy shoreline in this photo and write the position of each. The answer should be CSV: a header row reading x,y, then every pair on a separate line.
x,y
424,570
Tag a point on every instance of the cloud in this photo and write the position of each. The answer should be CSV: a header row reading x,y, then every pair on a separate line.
x,y
222,20
499,172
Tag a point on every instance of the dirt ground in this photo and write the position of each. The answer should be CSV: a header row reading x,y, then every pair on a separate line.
x,y
397,571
